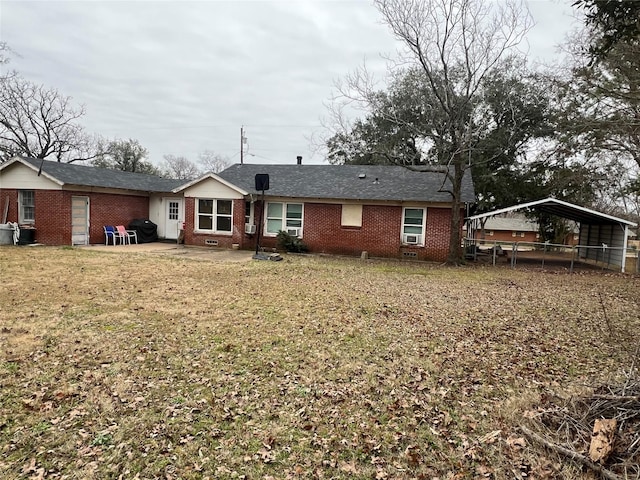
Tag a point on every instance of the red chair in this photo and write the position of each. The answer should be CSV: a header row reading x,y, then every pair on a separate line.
x,y
126,235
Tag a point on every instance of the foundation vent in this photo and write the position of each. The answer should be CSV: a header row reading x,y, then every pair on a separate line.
x,y
211,243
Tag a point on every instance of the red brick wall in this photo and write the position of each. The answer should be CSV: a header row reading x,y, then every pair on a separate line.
x,y
53,213
224,241
12,194
506,236
379,234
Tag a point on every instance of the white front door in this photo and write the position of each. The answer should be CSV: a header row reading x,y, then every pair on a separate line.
x,y
174,216
79,220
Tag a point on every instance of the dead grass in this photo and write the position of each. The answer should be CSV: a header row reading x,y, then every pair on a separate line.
x,y
156,367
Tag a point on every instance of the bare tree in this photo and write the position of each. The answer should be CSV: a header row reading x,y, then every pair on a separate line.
x,y
213,162
453,45
126,155
180,168
41,123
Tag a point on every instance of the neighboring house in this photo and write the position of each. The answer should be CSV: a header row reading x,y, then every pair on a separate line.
x,y
514,228
519,228
387,211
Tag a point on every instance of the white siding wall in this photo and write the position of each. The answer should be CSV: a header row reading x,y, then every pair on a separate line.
x,y
156,212
21,177
211,188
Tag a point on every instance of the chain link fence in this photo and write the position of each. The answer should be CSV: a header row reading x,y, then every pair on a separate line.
x,y
551,256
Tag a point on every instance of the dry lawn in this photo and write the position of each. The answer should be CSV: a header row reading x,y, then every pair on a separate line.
x,y
133,366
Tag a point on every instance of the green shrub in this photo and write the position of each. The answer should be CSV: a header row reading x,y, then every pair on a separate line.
x,y
290,243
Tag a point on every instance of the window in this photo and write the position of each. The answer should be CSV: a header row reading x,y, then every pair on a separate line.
x,y
173,210
351,216
214,215
248,213
491,233
283,216
413,226
26,206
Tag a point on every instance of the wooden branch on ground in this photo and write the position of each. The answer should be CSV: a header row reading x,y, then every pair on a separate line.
x,y
621,398
569,453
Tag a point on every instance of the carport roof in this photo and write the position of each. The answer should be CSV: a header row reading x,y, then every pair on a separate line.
x,y
562,209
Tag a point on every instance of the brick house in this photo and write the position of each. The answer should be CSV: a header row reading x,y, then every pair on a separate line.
x,y
387,211
513,228
68,204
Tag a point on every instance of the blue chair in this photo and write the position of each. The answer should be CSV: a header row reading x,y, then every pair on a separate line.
x,y
110,233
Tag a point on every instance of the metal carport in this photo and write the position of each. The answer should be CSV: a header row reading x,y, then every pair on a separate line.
x,y
597,230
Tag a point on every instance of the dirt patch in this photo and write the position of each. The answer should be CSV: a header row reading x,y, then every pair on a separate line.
x,y
171,249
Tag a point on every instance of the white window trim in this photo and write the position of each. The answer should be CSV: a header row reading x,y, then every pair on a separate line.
x,y
21,218
284,218
252,213
424,227
214,214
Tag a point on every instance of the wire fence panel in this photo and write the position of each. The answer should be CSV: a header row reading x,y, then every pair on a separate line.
x,y
551,256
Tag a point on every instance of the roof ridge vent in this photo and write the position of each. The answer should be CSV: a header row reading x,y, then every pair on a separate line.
x,y
362,175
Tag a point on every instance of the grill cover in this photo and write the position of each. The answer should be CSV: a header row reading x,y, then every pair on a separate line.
x,y
146,230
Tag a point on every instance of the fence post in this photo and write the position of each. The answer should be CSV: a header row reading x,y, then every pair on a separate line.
x,y
514,249
544,252
495,247
573,256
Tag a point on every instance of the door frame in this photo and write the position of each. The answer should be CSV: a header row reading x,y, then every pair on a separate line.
x,y
174,233
87,220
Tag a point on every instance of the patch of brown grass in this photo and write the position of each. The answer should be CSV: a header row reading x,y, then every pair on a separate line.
x,y
159,367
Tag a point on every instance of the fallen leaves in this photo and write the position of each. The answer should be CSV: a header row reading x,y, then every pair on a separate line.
x,y
310,368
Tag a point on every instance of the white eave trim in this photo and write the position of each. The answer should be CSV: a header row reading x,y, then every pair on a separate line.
x,y
214,177
557,202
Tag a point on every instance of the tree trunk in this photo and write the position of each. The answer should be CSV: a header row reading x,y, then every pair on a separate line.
x,y
455,251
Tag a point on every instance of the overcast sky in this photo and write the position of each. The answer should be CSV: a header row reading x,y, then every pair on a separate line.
x,y
183,76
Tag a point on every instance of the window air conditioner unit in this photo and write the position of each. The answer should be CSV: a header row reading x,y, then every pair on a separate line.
x,y
411,239
250,229
294,232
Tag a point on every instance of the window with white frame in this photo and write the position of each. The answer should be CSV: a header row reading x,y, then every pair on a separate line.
x,y
214,215
27,206
413,220
283,216
248,213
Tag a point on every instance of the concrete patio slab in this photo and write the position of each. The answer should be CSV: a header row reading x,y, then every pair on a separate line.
x,y
172,249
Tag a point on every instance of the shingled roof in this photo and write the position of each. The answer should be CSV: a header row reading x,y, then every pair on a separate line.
x,y
86,176
348,182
